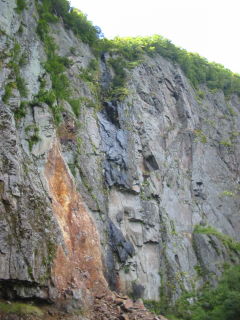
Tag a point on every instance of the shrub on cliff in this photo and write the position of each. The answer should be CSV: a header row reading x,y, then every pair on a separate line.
x,y
196,68
221,303
73,19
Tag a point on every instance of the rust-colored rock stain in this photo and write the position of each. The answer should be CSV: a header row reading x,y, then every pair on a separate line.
x,y
78,261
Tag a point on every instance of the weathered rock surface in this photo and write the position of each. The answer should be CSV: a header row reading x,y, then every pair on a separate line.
x,y
115,192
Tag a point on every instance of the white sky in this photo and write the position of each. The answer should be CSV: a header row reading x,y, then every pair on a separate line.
x,y
208,27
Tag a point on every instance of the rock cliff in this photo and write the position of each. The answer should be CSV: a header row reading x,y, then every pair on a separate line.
x,y
139,195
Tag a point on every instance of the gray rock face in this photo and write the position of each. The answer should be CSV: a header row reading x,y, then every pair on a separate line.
x,y
122,247
149,169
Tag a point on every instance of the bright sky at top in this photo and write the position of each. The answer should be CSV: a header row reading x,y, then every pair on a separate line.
x,y
208,27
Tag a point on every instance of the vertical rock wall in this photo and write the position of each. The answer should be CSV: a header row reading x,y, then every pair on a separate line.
x,y
118,189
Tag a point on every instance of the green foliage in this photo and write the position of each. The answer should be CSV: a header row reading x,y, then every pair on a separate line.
x,y
21,111
60,85
201,94
23,60
20,308
76,106
154,306
55,64
118,90
21,85
21,5
49,97
45,96
57,113
220,303
90,74
231,111
196,68
16,61
33,135
228,193
79,24
72,18
200,136
118,93
199,270
226,143
226,240
118,64
73,51
15,52
42,29
8,91
72,168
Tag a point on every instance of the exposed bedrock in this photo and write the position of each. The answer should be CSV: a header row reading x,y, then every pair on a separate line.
x,y
139,195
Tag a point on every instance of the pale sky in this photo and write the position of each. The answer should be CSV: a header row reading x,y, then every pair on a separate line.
x,y
208,27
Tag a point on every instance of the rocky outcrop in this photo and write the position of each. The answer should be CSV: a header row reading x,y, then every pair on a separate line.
x,y
115,190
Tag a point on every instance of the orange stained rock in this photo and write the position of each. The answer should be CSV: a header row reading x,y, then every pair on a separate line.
x,y
78,261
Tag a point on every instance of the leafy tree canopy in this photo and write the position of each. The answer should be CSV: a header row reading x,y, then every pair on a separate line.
x,y
196,68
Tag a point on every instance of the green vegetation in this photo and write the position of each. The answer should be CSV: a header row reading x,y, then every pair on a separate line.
x,y
21,111
231,111
90,74
125,53
44,96
49,97
156,307
220,303
33,135
200,136
227,193
226,240
20,308
118,90
55,65
76,106
73,19
14,64
21,5
201,94
21,85
226,143
8,91
196,68
199,270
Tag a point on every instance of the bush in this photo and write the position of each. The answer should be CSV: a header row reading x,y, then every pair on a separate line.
x,y
21,5
153,306
196,68
47,97
8,91
226,240
72,18
20,308
33,135
76,106
57,114
21,111
221,303
21,85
